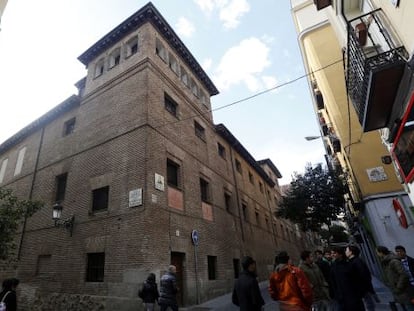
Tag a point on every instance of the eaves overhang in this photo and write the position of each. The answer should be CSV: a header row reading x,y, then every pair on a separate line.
x,y
150,14
273,167
67,105
233,141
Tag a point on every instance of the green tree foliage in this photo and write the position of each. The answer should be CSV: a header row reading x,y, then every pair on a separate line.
x,y
12,213
314,198
335,234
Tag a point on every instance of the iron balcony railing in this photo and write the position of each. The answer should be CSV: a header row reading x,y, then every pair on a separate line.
x,y
375,63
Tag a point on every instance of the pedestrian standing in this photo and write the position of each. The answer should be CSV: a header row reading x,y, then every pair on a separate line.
x,y
8,297
168,290
323,260
149,292
395,277
318,284
362,278
289,285
408,265
246,292
345,294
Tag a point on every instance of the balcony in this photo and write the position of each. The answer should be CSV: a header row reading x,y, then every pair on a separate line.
x,y
375,65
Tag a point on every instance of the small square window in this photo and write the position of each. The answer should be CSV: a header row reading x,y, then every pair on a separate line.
x,y
227,200
238,166
184,76
172,63
251,178
244,211
212,267
170,105
69,127
95,267
160,50
99,68
221,150
61,187
200,132
100,199
114,58
173,173
204,190
43,267
132,47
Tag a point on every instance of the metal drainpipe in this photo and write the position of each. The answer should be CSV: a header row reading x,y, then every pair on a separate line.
x,y
237,195
271,217
31,191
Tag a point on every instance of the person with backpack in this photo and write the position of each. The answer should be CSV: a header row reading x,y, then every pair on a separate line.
x,y
289,285
149,292
8,297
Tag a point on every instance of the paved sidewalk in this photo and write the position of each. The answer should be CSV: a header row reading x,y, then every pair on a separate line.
x,y
223,303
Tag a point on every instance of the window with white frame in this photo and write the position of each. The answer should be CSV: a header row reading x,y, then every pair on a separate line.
x,y
114,58
131,47
3,169
160,50
99,68
19,163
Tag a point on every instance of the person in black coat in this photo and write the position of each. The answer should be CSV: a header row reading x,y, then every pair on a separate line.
x,y
246,292
149,292
168,290
8,294
345,294
362,279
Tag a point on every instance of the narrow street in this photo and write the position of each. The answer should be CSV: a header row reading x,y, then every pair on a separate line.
x,y
223,303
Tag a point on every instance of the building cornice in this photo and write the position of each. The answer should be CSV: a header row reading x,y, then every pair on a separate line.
x,y
68,104
233,141
273,167
149,14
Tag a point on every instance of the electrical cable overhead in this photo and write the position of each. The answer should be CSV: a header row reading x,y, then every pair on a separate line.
x,y
254,95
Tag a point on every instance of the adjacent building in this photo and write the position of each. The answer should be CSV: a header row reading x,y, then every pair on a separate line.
x,y
358,57
139,177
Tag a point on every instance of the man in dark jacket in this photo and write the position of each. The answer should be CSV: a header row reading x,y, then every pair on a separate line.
x,y
246,293
345,292
407,261
395,277
168,290
362,279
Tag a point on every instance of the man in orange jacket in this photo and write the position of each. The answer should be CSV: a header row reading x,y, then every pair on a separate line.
x,y
289,285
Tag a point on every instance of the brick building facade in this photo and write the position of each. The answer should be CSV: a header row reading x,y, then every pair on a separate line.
x,y
136,159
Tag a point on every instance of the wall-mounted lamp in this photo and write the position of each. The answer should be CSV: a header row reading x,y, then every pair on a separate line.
x,y
386,159
309,138
63,223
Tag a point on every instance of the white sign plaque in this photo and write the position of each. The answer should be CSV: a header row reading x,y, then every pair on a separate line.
x,y
135,197
159,182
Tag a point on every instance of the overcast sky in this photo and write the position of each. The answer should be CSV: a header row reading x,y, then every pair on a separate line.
x,y
246,47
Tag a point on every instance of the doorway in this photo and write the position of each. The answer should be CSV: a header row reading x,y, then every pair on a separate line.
x,y
177,259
